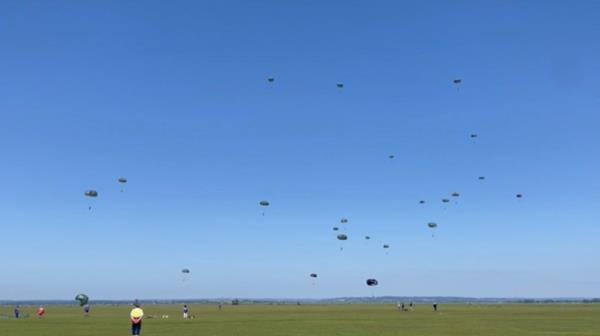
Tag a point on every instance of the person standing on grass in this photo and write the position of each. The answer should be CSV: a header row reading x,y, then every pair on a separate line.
x,y
136,316
186,312
17,312
435,306
86,310
41,312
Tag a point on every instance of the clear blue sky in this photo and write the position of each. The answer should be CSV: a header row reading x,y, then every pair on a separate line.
x,y
173,96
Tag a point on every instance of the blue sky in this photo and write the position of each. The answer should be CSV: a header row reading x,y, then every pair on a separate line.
x,y
174,97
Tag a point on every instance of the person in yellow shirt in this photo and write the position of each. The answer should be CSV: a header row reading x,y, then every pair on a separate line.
x,y
136,316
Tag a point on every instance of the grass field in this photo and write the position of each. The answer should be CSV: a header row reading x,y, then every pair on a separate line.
x,y
314,320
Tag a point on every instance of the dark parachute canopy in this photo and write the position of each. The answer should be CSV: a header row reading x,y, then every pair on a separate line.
x,y
313,275
372,282
335,228
270,79
457,81
122,182
391,157
264,205
83,299
340,85
474,135
445,200
481,178
185,271
432,226
455,194
342,237
367,237
386,246
519,195
91,193
421,202
344,220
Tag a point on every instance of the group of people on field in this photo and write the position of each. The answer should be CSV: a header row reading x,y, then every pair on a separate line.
x,y
402,307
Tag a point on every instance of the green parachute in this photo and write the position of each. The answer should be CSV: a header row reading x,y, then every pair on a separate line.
x,y
82,299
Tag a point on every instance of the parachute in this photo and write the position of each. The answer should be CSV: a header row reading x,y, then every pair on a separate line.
x,y
185,273
455,194
457,82
519,196
432,226
344,221
367,238
474,135
391,157
445,200
270,79
372,282
264,205
340,85
481,178
342,237
91,194
83,299
335,228
386,248
313,275
421,202
122,182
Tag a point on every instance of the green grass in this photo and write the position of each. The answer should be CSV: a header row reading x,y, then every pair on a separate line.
x,y
312,320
